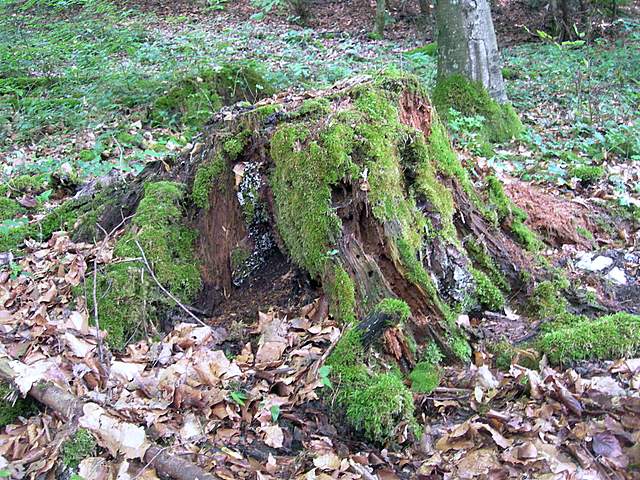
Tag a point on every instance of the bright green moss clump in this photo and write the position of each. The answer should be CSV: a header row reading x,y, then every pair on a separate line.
x,y
394,307
306,169
587,173
430,49
342,296
12,408
471,98
30,183
128,297
78,447
425,378
374,402
9,209
488,294
608,337
377,408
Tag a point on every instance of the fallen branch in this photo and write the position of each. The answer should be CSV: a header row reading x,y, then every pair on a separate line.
x,y
71,408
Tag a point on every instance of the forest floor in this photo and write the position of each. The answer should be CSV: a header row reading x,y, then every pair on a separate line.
x,y
78,86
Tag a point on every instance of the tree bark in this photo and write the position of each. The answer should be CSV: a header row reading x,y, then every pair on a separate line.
x,y
380,18
467,44
426,19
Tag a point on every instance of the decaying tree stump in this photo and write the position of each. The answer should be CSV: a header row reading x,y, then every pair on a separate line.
x,y
358,186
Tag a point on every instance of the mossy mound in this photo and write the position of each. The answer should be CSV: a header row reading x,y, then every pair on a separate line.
x,y
9,209
374,402
470,99
193,100
587,174
129,301
75,215
425,377
430,49
33,184
12,407
608,337
78,447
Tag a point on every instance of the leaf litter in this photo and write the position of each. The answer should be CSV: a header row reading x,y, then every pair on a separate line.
x,y
263,412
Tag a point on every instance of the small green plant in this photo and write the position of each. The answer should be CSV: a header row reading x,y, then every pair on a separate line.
x,y
78,447
324,372
275,413
238,397
432,354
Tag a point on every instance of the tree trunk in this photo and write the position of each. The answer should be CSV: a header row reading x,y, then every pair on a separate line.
x,y
426,19
359,187
467,44
380,18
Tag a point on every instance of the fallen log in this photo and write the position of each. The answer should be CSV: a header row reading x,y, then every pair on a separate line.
x,y
72,409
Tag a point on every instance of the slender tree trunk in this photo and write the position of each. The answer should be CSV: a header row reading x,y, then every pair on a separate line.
x,y
380,17
467,44
426,20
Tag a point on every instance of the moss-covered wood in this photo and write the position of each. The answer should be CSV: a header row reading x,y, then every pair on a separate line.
x,y
359,187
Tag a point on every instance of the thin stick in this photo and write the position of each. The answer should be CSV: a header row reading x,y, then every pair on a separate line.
x,y
96,319
167,292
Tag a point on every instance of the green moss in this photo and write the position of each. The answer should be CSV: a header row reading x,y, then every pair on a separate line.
x,y
204,180
510,73
342,297
377,408
511,216
608,337
374,403
193,100
525,236
506,355
9,209
488,294
584,233
80,446
587,173
471,98
11,407
75,214
238,257
417,275
394,307
546,300
315,106
30,183
425,378
167,243
483,260
424,158
128,299
234,146
430,49
305,171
